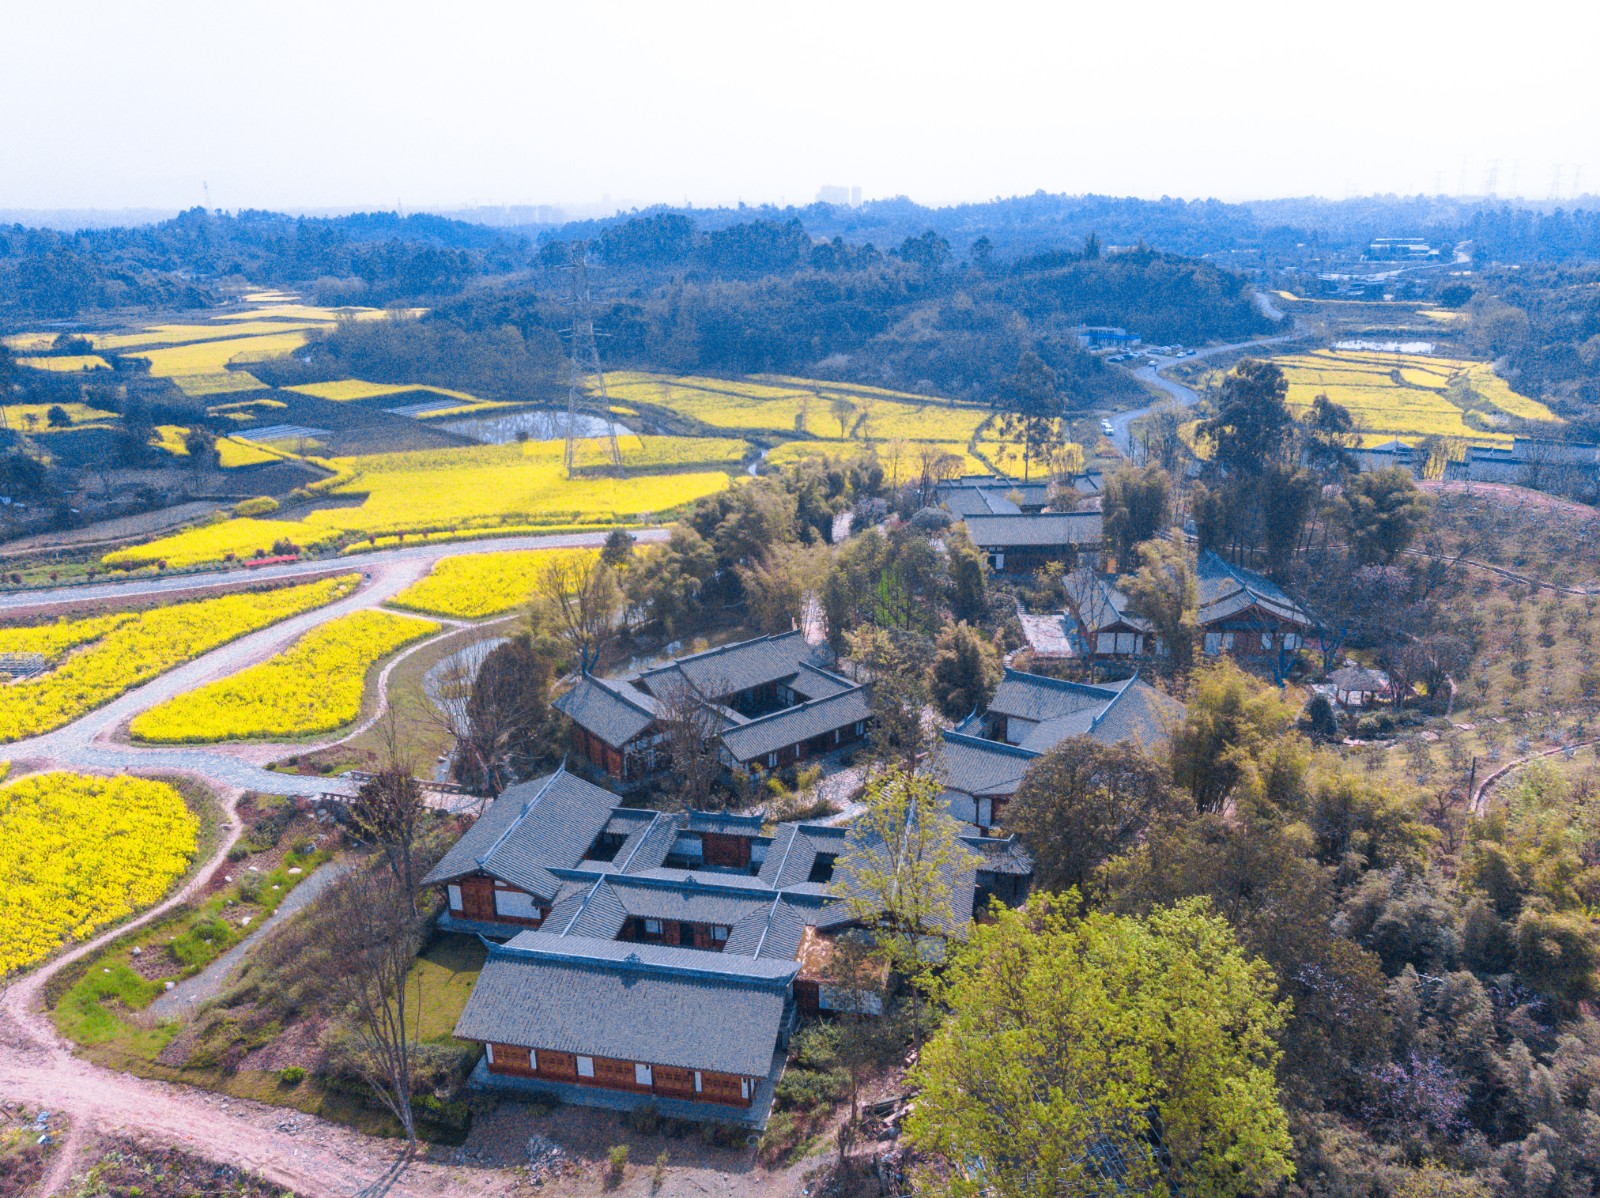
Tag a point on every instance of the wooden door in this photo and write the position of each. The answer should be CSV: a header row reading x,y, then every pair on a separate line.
x,y
559,1066
477,898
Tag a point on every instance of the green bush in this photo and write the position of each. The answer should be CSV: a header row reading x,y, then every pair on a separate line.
x,y
203,942
812,1090
645,1120
292,1075
616,1165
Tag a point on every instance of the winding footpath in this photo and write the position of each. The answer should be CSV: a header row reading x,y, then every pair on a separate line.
x,y
37,1067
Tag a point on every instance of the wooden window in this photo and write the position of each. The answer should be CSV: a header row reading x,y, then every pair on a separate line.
x,y
509,1058
719,933
652,927
641,1074
454,892
488,1050
699,1082
585,1066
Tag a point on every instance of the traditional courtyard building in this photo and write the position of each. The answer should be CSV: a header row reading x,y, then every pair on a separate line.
x,y
773,702
645,956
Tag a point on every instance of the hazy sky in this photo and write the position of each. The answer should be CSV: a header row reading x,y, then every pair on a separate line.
x,y
356,104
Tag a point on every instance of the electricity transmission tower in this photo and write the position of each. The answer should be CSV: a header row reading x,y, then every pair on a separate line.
x,y
585,362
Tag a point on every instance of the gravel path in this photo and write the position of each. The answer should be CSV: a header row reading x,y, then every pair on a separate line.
x,y
207,984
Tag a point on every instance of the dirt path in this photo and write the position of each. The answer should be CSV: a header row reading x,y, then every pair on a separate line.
x,y
296,1150
1480,799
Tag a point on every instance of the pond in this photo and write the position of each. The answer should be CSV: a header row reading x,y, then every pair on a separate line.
x,y
538,424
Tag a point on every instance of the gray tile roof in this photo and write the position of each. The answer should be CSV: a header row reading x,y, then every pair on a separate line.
x,y
1100,603
728,669
700,903
795,849
679,1007
792,725
1226,589
1041,531
1140,714
725,822
531,829
816,683
616,712
976,766
1037,697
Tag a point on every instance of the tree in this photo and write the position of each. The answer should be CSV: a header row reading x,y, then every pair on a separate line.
x,y
1105,1055
578,594
969,580
893,663
1163,591
1383,511
1082,803
777,587
844,412
377,939
1253,426
617,552
964,671
500,716
1137,503
894,876
1232,721
390,812
57,417
854,979
669,585
689,728
1034,389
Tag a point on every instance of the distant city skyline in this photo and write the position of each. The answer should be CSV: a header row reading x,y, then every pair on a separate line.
x,y
360,105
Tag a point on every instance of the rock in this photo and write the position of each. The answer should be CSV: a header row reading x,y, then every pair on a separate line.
x,y
227,877
296,870
137,951
245,922
255,869
166,985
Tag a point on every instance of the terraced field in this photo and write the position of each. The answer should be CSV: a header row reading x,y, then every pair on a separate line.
x,y
1400,395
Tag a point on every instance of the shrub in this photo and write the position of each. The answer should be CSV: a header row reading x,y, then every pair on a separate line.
x,y
659,1173
616,1165
645,1120
292,1075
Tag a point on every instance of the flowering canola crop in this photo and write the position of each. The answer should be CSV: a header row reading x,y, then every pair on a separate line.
x,y
79,852
313,686
475,585
115,653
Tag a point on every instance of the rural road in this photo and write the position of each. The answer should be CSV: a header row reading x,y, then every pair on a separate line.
x,y
425,554
1121,423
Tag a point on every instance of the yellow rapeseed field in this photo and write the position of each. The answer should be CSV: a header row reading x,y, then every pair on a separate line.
x,y
79,852
485,486
66,363
801,407
240,538
1415,395
345,390
180,334
123,651
474,586
212,357
35,416
231,452
313,686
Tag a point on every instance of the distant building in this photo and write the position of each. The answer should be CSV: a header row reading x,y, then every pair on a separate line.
x,y
843,197
1105,337
1390,454
1559,467
1399,248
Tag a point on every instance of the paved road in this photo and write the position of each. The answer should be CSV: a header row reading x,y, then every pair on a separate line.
x,y
1121,435
428,554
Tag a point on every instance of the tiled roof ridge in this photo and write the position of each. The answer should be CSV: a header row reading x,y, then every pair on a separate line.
x,y
769,638
999,746
621,689
809,703
1117,698
522,815
738,975
1080,688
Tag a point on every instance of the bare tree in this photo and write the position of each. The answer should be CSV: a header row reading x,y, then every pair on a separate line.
x,y
854,983
378,935
689,728
495,709
389,811
579,593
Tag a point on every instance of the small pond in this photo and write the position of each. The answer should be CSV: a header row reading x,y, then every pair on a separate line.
x,y
538,424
